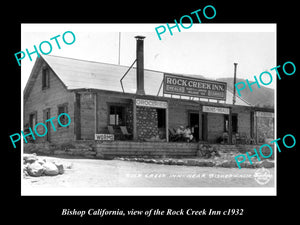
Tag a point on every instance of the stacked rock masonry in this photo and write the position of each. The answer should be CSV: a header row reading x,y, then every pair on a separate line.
x,y
146,122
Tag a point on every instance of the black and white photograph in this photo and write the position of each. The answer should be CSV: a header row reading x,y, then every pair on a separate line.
x,y
110,109
150,112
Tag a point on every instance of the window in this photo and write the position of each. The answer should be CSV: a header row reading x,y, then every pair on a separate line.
x,y
234,123
45,78
116,115
63,119
32,120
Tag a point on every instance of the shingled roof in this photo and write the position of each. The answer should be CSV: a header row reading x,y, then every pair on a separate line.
x,y
82,74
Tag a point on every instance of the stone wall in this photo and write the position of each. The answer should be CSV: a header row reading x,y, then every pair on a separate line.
x,y
265,128
129,117
146,122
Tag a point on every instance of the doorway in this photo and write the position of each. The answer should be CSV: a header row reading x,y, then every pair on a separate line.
x,y
194,124
204,126
161,122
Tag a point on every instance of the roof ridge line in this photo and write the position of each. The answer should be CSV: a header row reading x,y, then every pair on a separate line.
x,y
152,70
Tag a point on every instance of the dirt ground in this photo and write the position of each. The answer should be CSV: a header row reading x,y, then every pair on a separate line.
x,y
87,173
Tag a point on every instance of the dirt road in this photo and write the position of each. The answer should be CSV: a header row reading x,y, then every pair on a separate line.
x,y
86,173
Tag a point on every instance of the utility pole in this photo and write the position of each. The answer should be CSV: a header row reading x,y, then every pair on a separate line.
x,y
234,81
119,48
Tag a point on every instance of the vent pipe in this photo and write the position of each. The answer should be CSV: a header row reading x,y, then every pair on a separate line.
x,y
140,65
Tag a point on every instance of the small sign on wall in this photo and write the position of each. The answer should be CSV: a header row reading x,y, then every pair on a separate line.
x,y
265,114
104,137
211,109
151,103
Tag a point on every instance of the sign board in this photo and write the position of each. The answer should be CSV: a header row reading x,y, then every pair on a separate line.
x,y
264,114
104,137
194,87
151,103
212,109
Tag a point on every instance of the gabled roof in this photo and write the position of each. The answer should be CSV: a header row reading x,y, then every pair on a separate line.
x,y
78,74
81,74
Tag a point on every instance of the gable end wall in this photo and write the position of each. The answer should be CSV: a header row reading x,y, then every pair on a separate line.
x,y
39,100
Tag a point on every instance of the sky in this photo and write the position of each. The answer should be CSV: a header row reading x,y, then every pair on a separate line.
x,y
204,49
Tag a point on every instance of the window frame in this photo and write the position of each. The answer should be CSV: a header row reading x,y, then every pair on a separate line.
x,y
123,106
45,78
226,117
65,105
34,114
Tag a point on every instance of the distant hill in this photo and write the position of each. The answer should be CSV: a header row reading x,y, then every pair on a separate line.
x,y
263,96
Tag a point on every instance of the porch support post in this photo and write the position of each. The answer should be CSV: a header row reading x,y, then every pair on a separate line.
x,y
77,117
167,122
252,122
200,123
256,128
96,117
230,126
134,120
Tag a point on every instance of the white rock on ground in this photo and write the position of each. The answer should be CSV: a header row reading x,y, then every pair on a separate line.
x,y
29,158
38,166
60,167
35,169
41,161
50,169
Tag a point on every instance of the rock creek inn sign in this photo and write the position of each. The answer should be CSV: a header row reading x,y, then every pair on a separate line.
x,y
194,87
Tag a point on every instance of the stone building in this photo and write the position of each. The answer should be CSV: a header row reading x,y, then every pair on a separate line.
x,y
97,95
